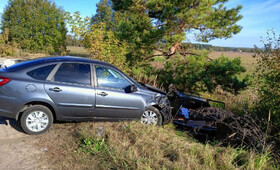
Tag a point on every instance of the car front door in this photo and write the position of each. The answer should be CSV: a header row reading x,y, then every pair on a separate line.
x,y
71,89
111,98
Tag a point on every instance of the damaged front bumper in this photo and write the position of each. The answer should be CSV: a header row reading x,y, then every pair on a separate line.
x,y
164,108
166,113
183,104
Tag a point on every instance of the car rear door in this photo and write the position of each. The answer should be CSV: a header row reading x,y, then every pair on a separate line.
x,y
111,98
70,87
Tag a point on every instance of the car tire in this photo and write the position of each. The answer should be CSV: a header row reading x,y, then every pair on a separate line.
x,y
152,116
36,120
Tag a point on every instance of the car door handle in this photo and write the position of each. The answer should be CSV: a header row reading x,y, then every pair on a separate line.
x,y
102,94
55,89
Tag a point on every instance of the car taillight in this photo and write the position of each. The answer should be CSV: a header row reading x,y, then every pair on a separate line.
x,y
4,80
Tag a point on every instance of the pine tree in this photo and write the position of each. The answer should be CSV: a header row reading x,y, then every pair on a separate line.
x,y
36,25
163,25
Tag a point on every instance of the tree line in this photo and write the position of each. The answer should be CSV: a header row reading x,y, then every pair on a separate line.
x,y
220,48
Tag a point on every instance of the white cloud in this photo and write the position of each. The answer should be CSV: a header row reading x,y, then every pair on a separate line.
x,y
256,8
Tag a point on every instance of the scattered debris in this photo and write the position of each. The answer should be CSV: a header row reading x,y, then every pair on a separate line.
x,y
231,128
196,114
43,149
100,133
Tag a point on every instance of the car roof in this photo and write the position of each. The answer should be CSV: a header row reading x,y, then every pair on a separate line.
x,y
46,60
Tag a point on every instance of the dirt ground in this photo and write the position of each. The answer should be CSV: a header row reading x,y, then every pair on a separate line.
x,y
16,148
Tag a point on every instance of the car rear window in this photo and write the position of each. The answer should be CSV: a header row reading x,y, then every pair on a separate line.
x,y
23,65
74,73
41,73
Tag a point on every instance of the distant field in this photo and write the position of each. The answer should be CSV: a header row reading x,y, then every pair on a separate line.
x,y
247,59
77,51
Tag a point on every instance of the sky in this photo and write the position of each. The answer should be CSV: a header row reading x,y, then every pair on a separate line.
x,y
259,16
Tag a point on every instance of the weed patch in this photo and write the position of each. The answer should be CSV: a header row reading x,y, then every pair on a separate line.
x,y
92,146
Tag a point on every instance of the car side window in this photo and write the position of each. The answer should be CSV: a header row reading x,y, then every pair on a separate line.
x,y
73,73
109,78
41,73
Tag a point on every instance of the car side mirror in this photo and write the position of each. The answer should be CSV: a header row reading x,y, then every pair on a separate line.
x,y
131,88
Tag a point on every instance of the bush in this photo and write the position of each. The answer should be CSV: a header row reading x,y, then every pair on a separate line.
x,y
195,74
6,49
267,79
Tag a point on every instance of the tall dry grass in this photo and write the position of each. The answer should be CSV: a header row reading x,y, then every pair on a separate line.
x,y
136,146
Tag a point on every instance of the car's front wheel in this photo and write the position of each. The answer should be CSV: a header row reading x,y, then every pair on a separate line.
x,y
151,116
36,120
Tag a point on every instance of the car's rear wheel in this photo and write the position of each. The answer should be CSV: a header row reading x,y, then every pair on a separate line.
x,y
36,120
151,116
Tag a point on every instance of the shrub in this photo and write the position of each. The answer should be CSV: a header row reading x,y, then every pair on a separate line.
x,y
267,79
6,49
197,73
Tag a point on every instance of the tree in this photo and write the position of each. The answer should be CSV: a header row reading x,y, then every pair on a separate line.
x,y
105,14
162,25
104,46
79,25
155,28
98,36
36,25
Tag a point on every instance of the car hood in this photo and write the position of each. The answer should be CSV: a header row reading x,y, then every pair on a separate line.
x,y
153,89
156,96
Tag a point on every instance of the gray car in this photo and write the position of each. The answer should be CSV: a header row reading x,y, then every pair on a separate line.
x,y
41,91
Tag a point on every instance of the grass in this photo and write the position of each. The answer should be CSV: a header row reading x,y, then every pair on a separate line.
x,y
238,104
70,50
131,145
